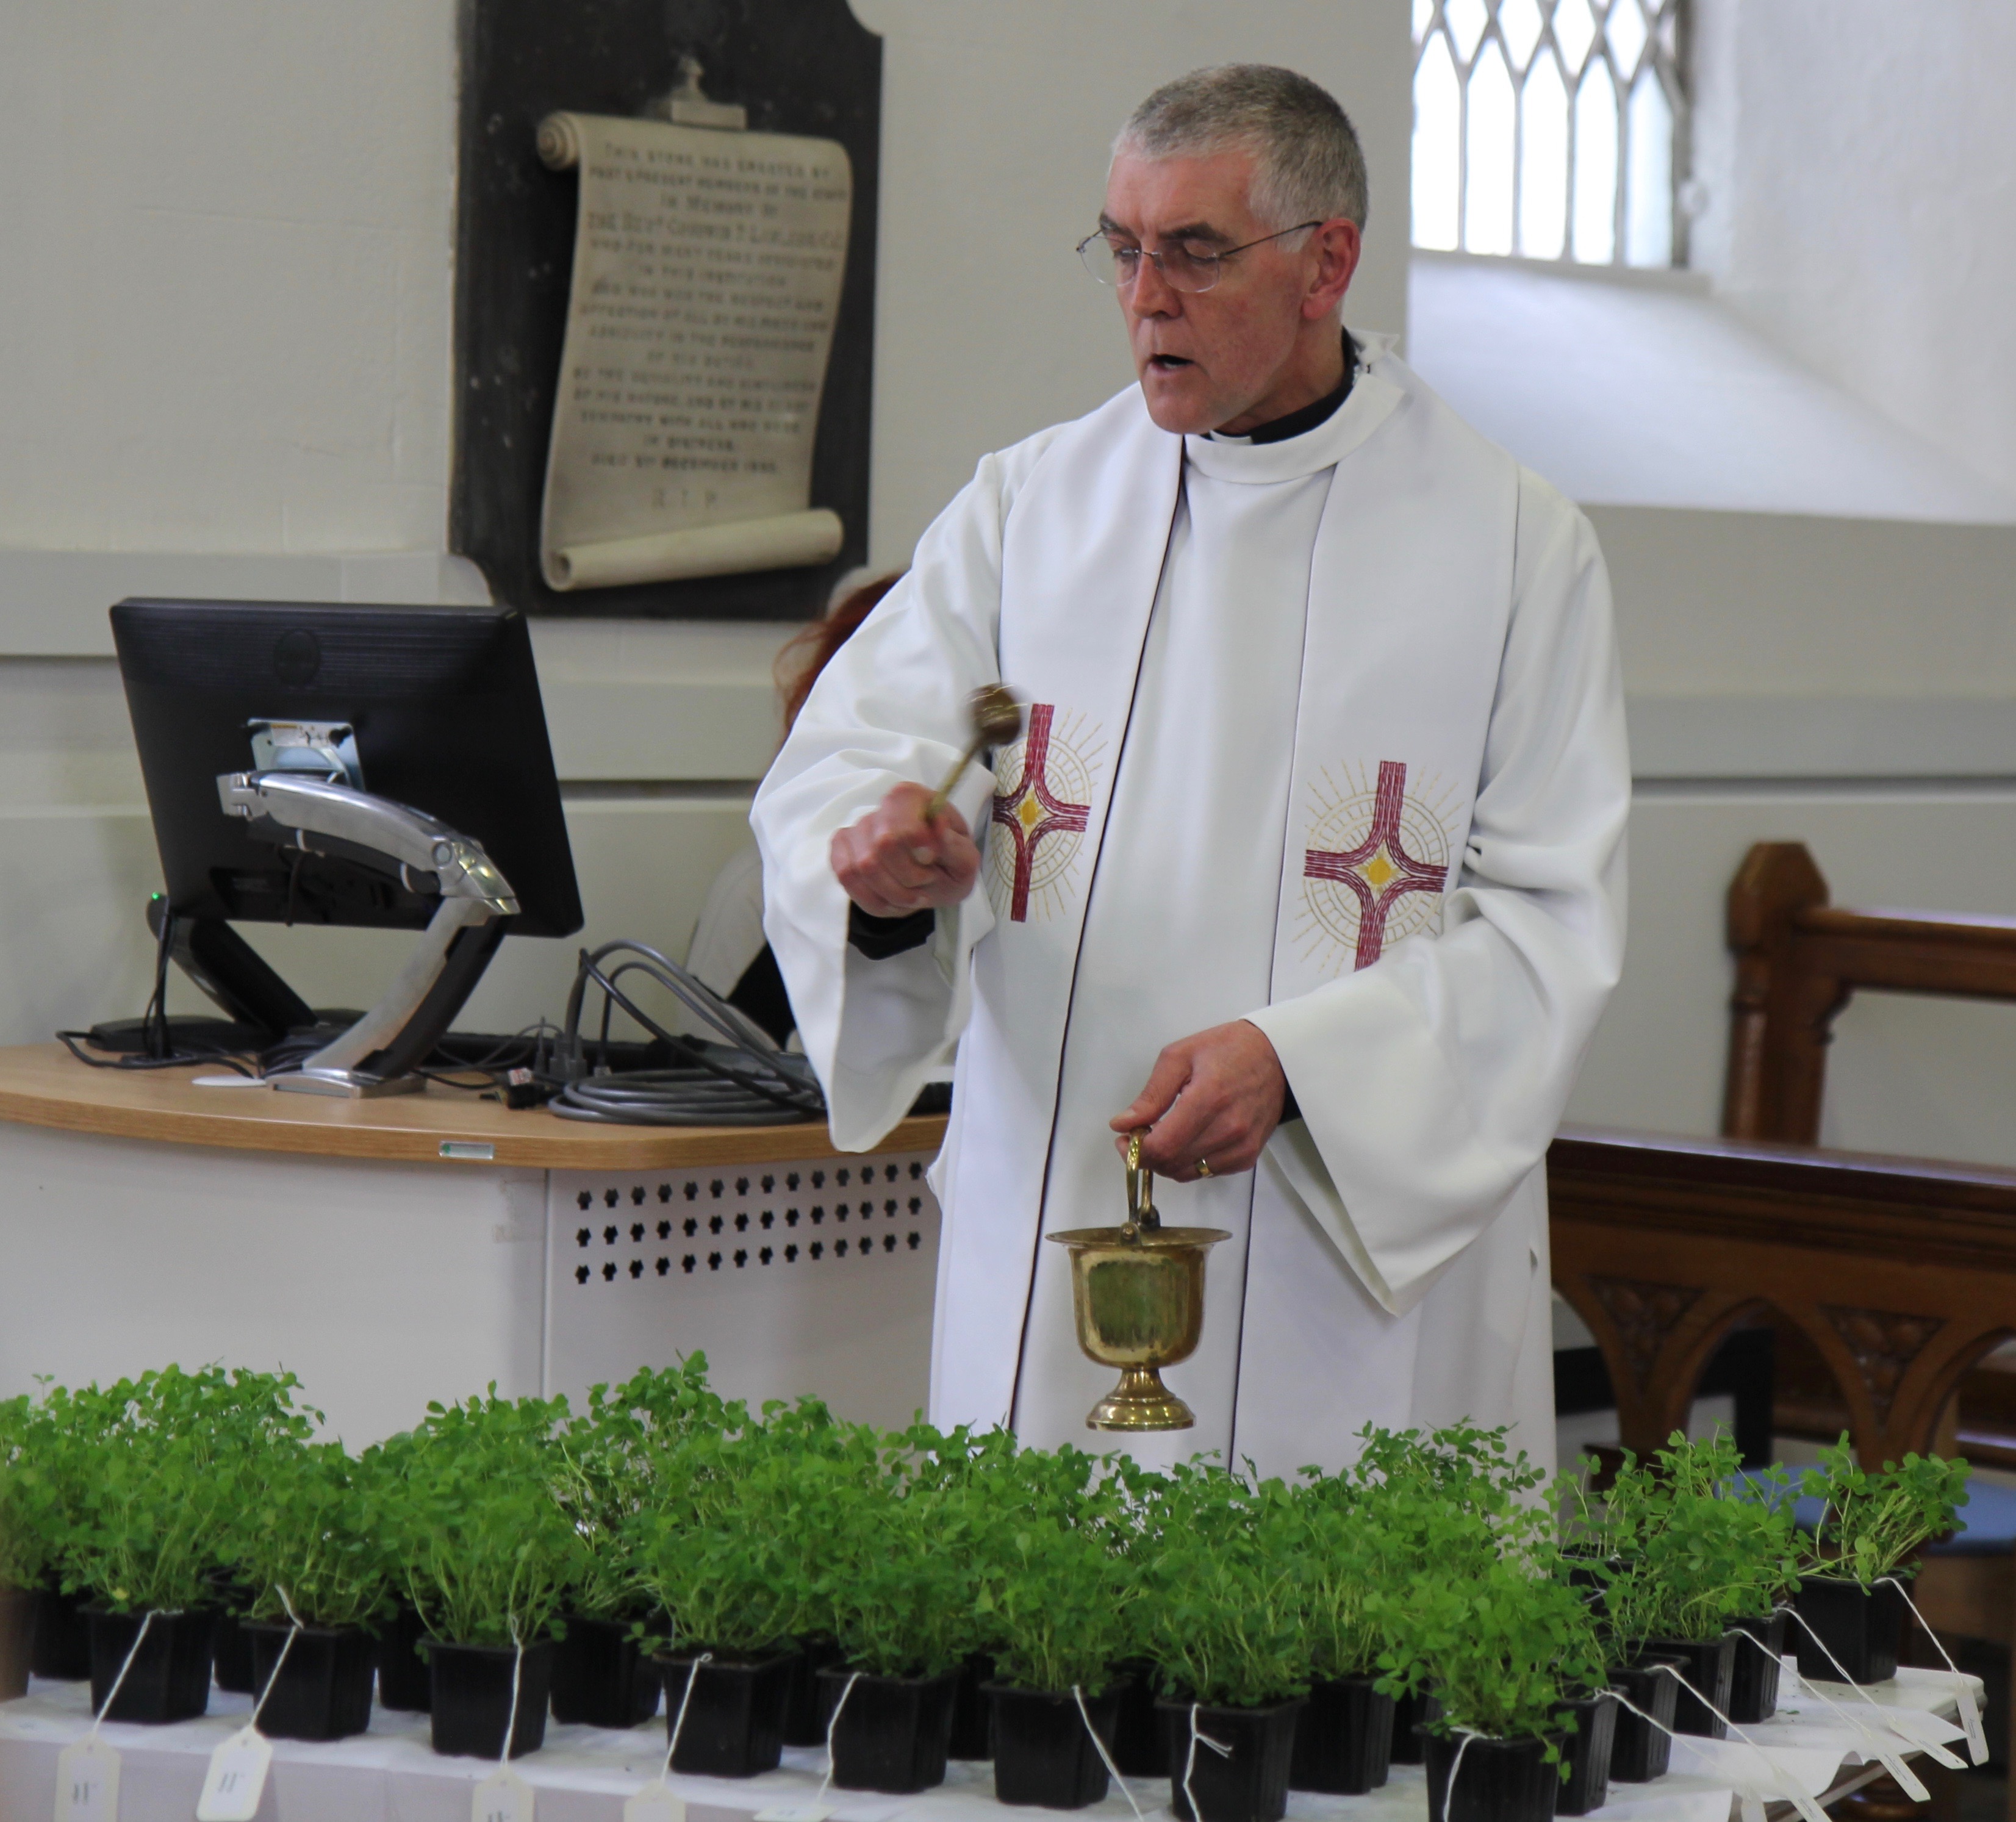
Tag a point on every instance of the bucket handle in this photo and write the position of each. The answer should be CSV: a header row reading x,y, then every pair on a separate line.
x,y
1141,1215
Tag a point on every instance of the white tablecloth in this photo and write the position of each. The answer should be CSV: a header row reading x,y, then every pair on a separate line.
x,y
583,1774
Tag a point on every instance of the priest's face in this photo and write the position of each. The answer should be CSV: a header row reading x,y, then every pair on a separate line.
x,y
1264,340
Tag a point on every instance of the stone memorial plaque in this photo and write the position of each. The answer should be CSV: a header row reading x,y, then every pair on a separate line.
x,y
664,304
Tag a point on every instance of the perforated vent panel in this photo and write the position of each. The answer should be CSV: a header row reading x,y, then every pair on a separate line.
x,y
813,1277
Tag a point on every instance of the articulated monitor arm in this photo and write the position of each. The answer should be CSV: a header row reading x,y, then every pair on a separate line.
x,y
291,809
301,811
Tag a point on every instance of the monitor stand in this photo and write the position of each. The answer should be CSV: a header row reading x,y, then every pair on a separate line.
x,y
380,1053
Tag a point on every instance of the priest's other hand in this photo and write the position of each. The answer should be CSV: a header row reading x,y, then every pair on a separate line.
x,y
1212,1099
892,862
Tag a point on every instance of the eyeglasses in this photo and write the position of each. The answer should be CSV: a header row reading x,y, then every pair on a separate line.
x,y
1181,269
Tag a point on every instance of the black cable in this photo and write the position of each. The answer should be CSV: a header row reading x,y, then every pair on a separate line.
x,y
233,1060
791,1098
156,1033
742,1080
154,1021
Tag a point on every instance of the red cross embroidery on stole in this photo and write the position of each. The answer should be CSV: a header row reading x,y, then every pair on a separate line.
x,y
1379,870
1031,810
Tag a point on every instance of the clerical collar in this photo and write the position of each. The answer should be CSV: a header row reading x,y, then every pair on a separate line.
x,y
1299,422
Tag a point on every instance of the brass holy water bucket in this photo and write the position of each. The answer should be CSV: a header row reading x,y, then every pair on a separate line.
x,y
1137,1294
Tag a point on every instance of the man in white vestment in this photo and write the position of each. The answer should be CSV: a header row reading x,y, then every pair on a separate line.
x,y
1309,862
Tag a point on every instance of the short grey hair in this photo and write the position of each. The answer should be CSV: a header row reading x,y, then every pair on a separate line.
x,y
1308,166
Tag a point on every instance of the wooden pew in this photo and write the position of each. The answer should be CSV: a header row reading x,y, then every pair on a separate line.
x,y
1799,960
1900,1272
1888,1279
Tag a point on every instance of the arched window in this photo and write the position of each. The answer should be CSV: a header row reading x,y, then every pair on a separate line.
x,y
1552,129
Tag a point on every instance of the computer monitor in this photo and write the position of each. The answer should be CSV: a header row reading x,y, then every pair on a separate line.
x,y
434,708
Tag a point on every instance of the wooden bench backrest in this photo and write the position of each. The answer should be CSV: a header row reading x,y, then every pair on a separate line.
x,y
1799,962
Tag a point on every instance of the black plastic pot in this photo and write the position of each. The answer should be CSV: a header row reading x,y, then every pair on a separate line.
x,y
1249,1783
472,1698
1639,1750
893,1732
1498,1781
1343,1739
1862,1627
735,1717
323,1690
170,1677
1137,1730
230,1648
805,1714
1753,1685
600,1678
1706,1666
1043,1755
1411,1713
404,1679
1587,1751
17,1639
62,1636
972,1714
1586,1570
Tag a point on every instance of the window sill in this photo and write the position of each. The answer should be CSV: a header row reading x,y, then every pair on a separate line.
x,y
1670,278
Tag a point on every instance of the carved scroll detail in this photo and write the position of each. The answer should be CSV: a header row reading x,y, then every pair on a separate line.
x,y
1884,1342
1645,1314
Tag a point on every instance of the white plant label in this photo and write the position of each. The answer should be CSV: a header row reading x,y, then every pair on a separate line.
x,y
236,1779
1969,1719
502,1797
1880,1743
655,1803
1917,1728
88,1782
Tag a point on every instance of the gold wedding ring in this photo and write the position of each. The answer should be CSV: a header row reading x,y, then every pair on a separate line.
x,y
1204,1167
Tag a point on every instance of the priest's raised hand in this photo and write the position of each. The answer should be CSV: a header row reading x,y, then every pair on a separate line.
x,y
1211,1104
894,861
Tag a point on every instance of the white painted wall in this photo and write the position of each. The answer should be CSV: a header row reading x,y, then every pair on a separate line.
x,y
226,275
1919,1076
225,291
1858,159
1844,683
1639,388
228,278
997,117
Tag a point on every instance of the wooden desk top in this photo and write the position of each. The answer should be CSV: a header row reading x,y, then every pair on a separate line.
x,y
42,1085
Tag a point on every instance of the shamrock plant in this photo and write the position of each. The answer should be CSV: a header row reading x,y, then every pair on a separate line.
x,y
1220,1614
1503,1645
1432,1557
721,1552
147,1535
1056,1603
1872,1524
309,1548
142,1486
903,1572
26,1547
1693,1545
480,1542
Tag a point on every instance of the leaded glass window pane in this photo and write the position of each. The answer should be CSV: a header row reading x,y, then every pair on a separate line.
x,y
1556,129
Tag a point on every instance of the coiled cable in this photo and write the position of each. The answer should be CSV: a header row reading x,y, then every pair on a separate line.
x,y
742,1080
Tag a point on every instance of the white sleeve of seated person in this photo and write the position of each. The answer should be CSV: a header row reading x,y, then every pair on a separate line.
x,y
1431,1082
890,709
